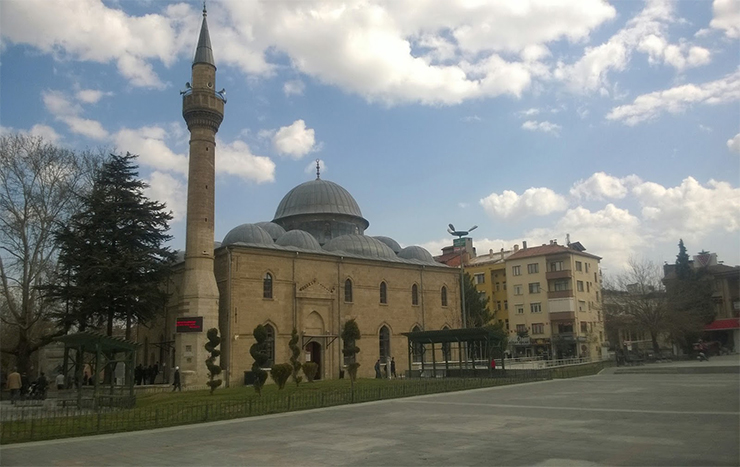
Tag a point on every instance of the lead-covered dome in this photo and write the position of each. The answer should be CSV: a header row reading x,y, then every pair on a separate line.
x,y
360,245
392,244
272,228
418,253
248,233
299,239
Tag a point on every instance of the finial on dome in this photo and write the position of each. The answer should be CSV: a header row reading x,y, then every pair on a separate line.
x,y
205,13
318,169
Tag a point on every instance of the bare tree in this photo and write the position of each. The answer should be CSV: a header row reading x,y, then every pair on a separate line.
x,y
38,187
636,298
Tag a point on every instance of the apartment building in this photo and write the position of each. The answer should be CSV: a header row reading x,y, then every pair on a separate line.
x,y
489,275
554,300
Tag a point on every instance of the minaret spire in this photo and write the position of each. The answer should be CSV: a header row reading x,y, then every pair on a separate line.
x,y
204,52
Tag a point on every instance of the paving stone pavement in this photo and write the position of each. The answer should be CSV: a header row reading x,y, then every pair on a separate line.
x,y
609,419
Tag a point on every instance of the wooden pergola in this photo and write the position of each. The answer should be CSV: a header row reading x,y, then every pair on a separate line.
x,y
467,341
108,351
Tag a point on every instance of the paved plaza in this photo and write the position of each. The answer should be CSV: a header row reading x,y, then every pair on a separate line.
x,y
610,419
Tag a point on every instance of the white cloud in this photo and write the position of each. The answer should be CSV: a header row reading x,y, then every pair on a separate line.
x,y
237,159
170,190
602,186
90,96
677,100
733,144
295,140
689,208
545,127
68,112
86,127
294,88
42,131
679,56
726,17
149,143
533,202
528,112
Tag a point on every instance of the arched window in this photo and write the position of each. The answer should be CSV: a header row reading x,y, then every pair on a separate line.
x,y
444,296
383,293
446,351
270,344
418,349
414,294
384,341
267,286
348,291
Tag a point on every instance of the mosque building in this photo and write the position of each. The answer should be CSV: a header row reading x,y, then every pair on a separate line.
x,y
311,268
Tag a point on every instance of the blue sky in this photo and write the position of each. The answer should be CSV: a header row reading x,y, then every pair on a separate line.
x,y
617,123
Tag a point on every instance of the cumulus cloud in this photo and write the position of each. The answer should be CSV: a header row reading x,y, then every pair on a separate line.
x,y
679,56
170,190
533,202
677,100
237,159
733,144
90,96
150,144
294,88
601,186
294,140
42,131
68,112
545,127
726,17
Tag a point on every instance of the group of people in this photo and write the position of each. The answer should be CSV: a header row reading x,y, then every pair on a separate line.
x,y
146,375
21,388
384,367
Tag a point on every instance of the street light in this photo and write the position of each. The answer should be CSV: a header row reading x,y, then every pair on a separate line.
x,y
460,234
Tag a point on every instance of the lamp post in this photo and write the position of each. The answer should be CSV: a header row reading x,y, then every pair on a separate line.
x,y
460,234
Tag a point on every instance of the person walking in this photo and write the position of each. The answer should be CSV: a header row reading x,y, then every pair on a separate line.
x,y
176,384
393,367
377,369
60,381
14,385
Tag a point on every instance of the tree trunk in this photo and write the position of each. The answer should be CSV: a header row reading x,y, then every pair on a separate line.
x,y
654,338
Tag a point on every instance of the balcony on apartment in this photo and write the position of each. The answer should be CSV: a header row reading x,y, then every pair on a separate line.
x,y
562,316
562,274
555,294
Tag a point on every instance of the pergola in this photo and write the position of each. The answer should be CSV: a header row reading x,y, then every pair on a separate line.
x,y
107,351
479,341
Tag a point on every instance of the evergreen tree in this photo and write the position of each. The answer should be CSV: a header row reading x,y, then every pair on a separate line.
x,y
258,351
350,336
295,354
476,305
113,251
213,369
683,266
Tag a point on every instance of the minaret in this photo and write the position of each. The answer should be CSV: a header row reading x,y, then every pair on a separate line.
x,y
203,111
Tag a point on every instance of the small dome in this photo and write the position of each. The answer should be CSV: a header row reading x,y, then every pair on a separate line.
x,y
272,228
299,239
392,244
360,245
416,252
248,233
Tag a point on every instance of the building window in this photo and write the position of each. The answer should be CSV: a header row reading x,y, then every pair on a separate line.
x,y
507,322
414,294
270,345
596,278
597,296
267,286
417,350
560,286
579,286
535,307
581,305
521,329
504,285
533,268
444,296
506,305
587,268
565,328
579,266
348,291
384,344
498,286
479,278
556,266
517,289
538,328
534,287
383,293
516,270
519,309
584,328
498,305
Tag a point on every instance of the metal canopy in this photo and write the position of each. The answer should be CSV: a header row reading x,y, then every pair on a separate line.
x,y
450,335
89,340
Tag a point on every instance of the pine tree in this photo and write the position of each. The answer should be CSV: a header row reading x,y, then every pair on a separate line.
x,y
295,354
113,251
476,305
683,266
258,351
213,369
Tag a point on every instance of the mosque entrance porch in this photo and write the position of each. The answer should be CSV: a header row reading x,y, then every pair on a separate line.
x,y
313,354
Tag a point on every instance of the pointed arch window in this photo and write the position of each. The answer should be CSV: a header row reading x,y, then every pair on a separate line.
x,y
383,293
414,294
348,291
418,348
444,296
270,345
267,286
384,343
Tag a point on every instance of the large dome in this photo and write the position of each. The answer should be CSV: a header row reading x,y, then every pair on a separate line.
x,y
247,233
360,245
317,197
